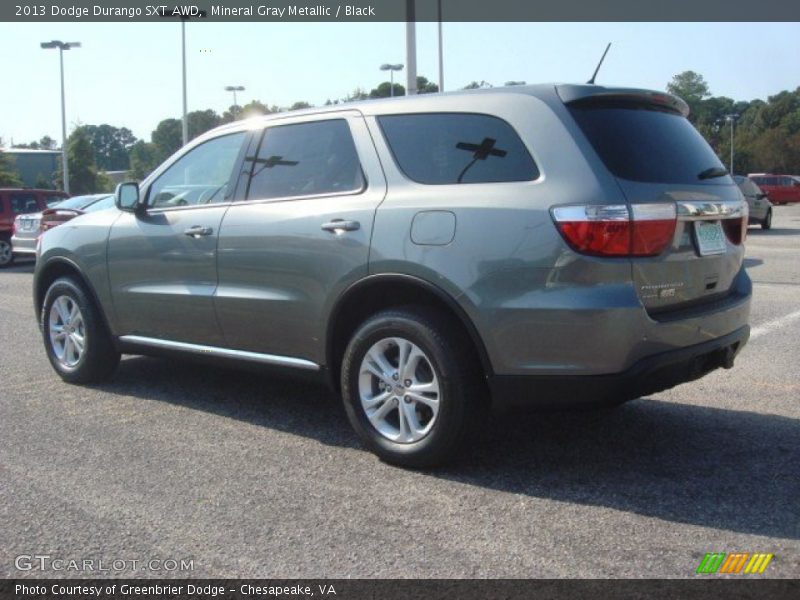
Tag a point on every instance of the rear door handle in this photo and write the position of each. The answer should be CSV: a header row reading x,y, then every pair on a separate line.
x,y
197,231
338,225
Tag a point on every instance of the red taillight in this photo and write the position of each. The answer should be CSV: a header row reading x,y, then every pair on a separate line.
x,y
614,230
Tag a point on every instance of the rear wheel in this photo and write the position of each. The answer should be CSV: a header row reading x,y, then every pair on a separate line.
x,y
76,339
6,252
767,222
412,387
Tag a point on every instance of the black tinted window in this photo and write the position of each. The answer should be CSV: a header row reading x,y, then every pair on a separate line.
x,y
647,144
23,203
457,148
305,159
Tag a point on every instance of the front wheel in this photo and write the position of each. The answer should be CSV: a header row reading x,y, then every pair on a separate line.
x,y
767,222
412,387
76,338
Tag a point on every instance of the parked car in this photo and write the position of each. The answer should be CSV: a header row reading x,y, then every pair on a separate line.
x,y
758,204
14,202
547,245
28,227
781,189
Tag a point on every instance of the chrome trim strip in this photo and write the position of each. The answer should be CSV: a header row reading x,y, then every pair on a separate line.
x,y
697,210
269,359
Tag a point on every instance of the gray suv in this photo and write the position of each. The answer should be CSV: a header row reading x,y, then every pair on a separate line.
x,y
429,256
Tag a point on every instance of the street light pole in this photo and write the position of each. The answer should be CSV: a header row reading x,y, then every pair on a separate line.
x,y
441,51
732,117
234,89
391,69
61,47
185,121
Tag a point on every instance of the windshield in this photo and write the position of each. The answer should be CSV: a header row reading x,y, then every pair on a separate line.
x,y
649,144
101,204
78,202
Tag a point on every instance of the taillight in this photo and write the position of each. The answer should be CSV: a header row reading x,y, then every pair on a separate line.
x,y
616,230
14,228
735,230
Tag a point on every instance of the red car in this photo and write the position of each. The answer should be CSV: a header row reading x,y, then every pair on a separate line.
x,y
15,201
781,189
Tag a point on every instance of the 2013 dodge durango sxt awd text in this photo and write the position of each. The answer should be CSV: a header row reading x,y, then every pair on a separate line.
x,y
430,256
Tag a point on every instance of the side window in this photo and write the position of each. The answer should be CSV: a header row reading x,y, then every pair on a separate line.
x,y
23,203
447,148
305,159
199,177
51,200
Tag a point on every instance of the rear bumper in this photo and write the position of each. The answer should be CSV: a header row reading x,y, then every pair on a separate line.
x,y
648,376
22,245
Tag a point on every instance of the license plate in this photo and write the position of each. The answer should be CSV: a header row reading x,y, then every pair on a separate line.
x,y
27,224
710,237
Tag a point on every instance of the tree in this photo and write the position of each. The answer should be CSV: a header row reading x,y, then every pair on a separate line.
x,y
80,159
426,87
384,90
300,105
143,159
475,85
200,121
111,146
691,87
45,143
8,174
167,138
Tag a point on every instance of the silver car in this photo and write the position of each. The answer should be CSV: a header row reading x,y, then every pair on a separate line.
x,y
430,257
758,203
28,227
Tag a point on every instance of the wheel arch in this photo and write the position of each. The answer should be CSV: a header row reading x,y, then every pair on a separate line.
x,y
56,268
378,292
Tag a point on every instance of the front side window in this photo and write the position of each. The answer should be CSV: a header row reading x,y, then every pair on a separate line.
x,y
199,177
23,203
453,148
305,159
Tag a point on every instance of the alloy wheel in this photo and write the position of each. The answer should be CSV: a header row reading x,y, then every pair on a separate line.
x,y
67,331
399,390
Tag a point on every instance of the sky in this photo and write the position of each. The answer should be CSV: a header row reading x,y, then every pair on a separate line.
x,y
129,74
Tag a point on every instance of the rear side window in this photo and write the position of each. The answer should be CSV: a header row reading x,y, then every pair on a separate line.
x,y
305,159
648,144
452,148
23,203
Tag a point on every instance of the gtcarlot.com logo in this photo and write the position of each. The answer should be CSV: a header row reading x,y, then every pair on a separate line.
x,y
46,562
745,563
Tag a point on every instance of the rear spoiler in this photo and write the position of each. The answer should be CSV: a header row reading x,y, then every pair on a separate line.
x,y
574,94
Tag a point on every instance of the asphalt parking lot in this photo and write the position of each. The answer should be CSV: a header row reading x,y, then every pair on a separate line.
x,y
253,476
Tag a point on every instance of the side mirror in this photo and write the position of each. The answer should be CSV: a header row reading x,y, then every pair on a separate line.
x,y
126,197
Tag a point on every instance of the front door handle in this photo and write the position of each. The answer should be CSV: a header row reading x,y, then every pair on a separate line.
x,y
197,231
340,225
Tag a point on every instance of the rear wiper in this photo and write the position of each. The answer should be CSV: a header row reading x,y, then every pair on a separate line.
x,y
712,172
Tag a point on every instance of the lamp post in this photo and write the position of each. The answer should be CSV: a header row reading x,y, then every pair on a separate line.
x,y
441,49
234,89
61,47
391,69
184,119
732,117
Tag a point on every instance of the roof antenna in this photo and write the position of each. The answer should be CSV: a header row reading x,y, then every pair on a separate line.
x,y
602,58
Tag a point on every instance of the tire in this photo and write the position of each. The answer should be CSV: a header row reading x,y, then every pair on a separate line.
x,y
68,315
435,431
766,224
6,253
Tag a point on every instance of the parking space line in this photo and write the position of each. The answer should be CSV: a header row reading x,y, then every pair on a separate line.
x,y
771,326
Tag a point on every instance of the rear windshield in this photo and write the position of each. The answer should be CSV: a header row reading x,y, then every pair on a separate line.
x,y
648,144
